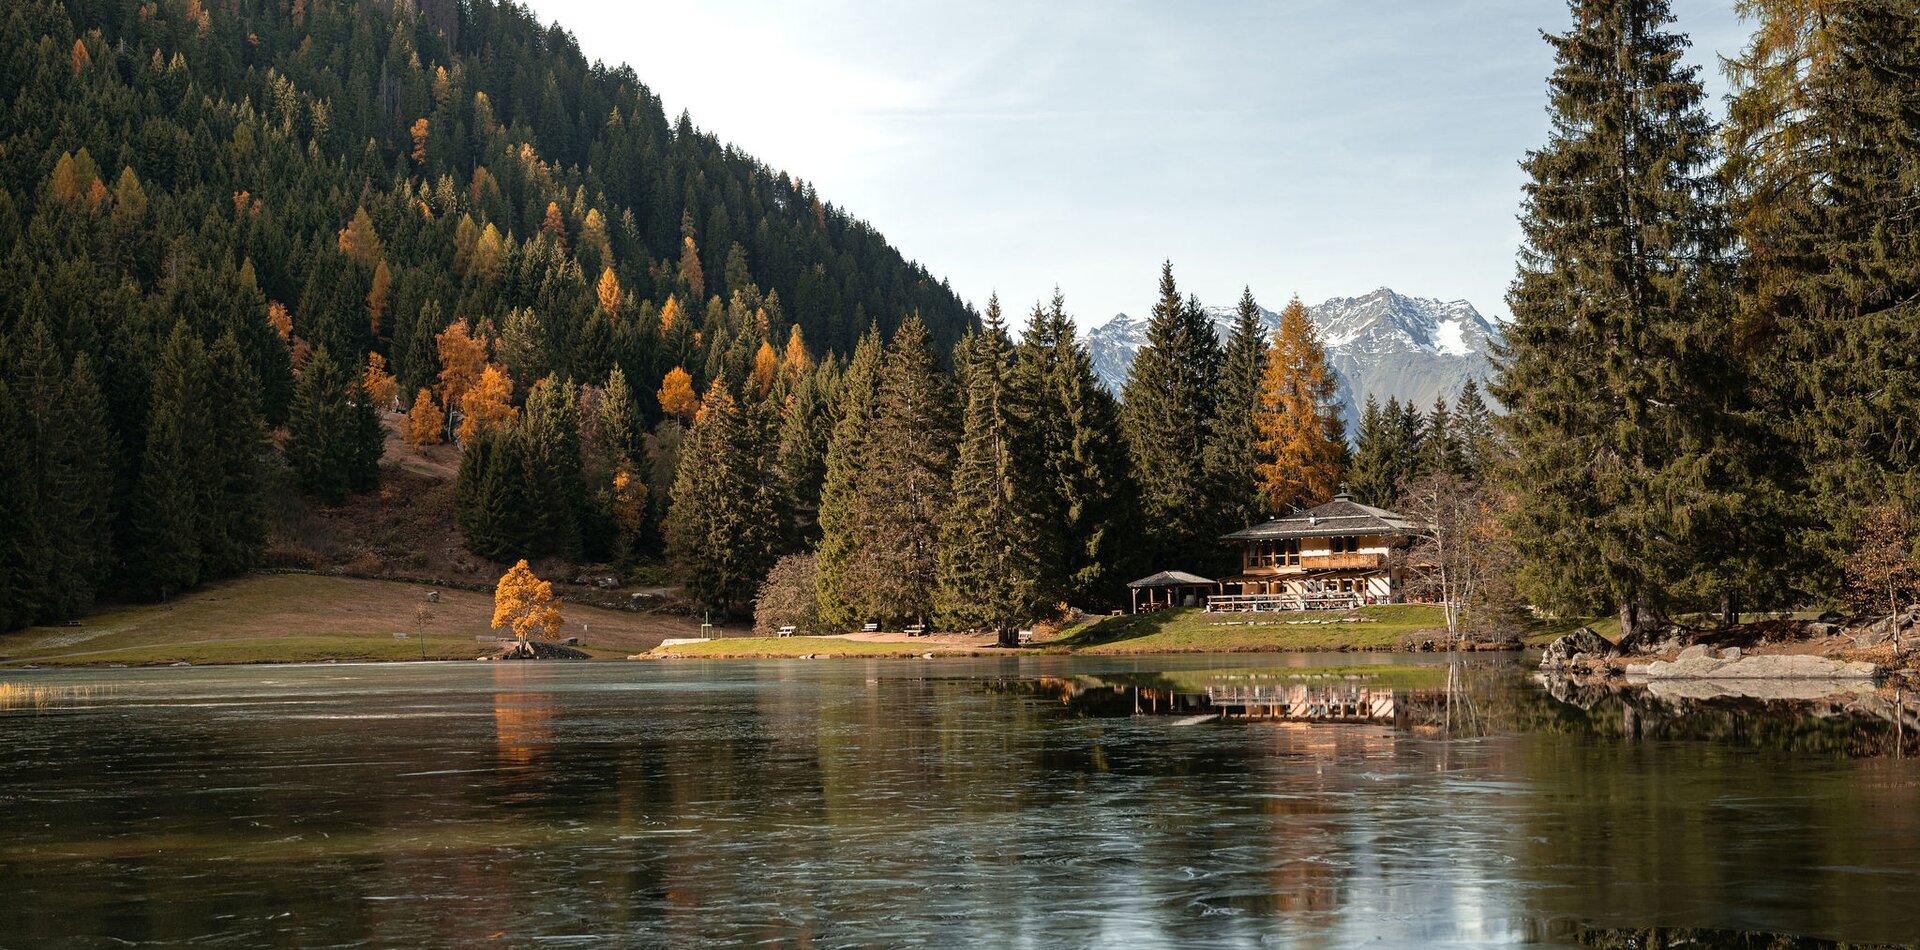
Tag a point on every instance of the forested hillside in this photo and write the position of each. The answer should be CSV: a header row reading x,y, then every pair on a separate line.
x,y
233,224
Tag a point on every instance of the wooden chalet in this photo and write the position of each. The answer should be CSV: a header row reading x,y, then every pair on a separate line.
x,y
1336,555
1171,589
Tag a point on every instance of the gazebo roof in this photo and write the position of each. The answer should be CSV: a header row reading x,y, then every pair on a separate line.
x,y
1172,579
1340,518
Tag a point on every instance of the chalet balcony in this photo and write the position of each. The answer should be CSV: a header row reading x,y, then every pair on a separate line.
x,y
1341,562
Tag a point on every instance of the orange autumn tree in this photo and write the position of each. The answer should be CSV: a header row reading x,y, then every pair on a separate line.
x,y
669,313
489,405
765,365
379,384
525,604
463,356
420,140
280,319
609,291
359,241
425,421
677,397
1301,447
795,363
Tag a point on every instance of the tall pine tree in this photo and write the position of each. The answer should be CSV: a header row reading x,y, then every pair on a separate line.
x,y
1610,370
1167,412
985,580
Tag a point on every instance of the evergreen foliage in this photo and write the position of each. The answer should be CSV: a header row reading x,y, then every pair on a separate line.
x,y
984,579
722,529
1167,413
1618,402
1232,452
1075,482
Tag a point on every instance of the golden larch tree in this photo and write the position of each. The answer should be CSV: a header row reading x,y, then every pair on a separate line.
x,y
425,422
796,363
463,356
629,503
378,294
420,141
690,272
669,313
65,183
1299,452
525,604
766,363
380,386
81,58
129,198
488,405
280,319
609,291
677,397
555,224
359,241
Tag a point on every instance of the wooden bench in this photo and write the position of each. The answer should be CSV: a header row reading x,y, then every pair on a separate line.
x,y
917,630
870,628
785,632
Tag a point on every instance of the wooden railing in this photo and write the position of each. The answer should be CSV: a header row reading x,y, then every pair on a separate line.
x,y
1341,562
1236,603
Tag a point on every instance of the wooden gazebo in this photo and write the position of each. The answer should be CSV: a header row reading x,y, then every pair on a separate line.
x,y
1170,589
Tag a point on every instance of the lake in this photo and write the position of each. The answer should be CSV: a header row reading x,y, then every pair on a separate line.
x,y
996,802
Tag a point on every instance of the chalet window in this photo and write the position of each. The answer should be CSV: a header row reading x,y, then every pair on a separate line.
x,y
1290,553
1346,545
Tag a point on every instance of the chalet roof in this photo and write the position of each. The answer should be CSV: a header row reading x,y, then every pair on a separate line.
x,y
1340,518
1172,579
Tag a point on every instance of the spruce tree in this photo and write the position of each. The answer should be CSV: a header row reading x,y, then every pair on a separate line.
x,y
238,438
1072,466
1167,412
1440,451
1611,369
802,454
844,519
907,485
1824,140
1374,474
1479,448
984,580
1232,459
556,478
721,528
174,494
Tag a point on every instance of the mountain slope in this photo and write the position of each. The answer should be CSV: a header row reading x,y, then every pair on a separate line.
x,y
1382,344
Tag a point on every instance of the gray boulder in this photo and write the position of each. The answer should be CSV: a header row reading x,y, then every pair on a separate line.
x,y
1582,643
1698,662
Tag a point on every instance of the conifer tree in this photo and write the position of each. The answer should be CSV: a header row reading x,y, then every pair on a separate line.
x,y
1823,144
1302,447
1374,476
173,494
1232,459
721,526
237,437
1167,410
1474,423
1610,372
1440,451
802,454
334,437
908,481
845,521
984,580
556,479
1076,490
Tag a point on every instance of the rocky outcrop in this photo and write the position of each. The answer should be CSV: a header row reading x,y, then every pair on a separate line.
x,y
1577,651
1701,662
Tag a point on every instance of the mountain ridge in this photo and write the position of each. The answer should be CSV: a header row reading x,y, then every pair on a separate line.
x,y
1382,344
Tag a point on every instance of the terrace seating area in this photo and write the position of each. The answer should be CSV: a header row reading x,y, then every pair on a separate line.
x,y
1243,603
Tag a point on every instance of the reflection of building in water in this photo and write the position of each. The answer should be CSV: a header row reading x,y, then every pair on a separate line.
x,y
1303,702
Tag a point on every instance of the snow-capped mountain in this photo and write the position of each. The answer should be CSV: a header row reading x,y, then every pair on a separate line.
x,y
1382,344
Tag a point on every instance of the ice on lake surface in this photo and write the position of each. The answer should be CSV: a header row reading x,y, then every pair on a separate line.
x,y
993,802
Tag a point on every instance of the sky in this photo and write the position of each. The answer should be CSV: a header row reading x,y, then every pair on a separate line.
x,y
1313,147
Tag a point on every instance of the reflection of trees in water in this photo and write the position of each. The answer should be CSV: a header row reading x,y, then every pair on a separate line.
x,y
1692,938
1861,724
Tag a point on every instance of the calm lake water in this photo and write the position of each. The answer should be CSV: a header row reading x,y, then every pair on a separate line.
x,y
1009,803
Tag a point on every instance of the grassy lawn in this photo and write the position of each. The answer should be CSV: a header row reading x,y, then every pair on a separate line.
x,y
294,618
1195,631
778,647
